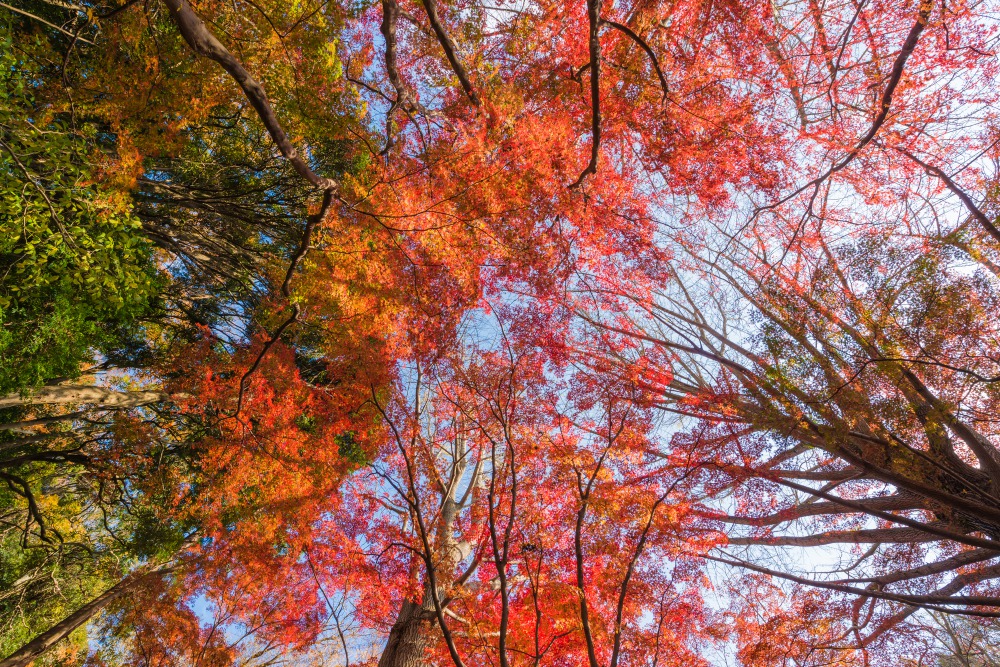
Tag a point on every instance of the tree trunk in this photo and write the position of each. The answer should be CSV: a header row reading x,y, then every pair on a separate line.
x,y
101,396
43,642
408,639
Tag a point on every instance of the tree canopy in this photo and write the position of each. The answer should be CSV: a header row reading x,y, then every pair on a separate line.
x,y
598,334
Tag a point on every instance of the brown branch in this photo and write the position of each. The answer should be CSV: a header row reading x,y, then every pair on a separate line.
x,y
69,51
974,210
42,421
645,47
286,289
594,16
984,450
390,16
629,571
43,642
117,10
67,456
501,550
774,49
576,74
959,503
867,536
920,600
41,191
578,552
960,560
193,29
923,15
99,396
941,533
41,20
894,502
204,42
736,471
412,498
33,511
953,586
449,50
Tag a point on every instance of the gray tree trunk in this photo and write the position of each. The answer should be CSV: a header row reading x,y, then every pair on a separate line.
x,y
409,638
63,628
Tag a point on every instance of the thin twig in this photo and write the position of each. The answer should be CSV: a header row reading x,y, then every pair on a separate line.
x,y
895,75
328,199
976,212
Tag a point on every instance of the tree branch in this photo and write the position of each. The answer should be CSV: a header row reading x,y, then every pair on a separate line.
x,y
286,289
449,50
99,396
61,630
41,20
390,15
921,600
974,210
645,47
594,16
885,103
203,42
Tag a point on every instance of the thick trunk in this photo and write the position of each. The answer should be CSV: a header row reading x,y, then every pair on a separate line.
x,y
43,642
416,628
101,396
408,640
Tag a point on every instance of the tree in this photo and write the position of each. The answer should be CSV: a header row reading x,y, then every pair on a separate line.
x,y
335,212
75,269
833,345
102,463
460,520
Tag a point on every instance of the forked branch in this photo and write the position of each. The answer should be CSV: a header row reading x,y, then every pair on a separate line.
x,y
286,290
926,601
885,104
193,29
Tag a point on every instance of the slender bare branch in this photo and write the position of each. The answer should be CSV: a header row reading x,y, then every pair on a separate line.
x,y
885,104
970,205
41,20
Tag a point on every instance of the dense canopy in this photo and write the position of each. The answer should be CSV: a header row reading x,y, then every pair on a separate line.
x,y
499,332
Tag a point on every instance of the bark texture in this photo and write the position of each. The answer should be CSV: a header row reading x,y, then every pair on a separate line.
x,y
63,628
102,396
408,639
